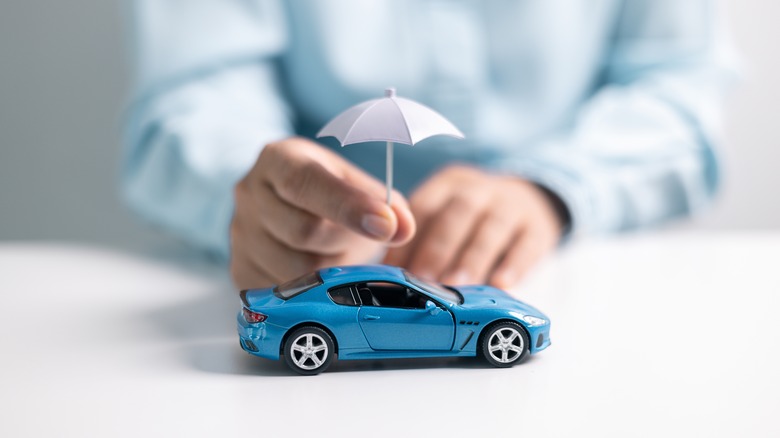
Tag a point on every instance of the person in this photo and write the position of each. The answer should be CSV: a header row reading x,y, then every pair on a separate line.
x,y
579,117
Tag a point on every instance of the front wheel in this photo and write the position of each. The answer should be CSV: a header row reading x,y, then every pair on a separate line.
x,y
308,350
504,344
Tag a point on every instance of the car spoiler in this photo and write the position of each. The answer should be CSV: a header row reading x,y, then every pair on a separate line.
x,y
243,297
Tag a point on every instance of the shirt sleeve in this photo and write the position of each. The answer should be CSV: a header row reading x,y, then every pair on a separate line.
x,y
206,102
641,149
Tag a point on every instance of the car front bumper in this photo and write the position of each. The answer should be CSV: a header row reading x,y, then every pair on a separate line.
x,y
539,338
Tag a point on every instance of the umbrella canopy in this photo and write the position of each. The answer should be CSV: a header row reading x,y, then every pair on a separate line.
x,y
391,119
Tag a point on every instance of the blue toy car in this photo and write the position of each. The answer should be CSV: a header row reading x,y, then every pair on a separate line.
x,y
380,312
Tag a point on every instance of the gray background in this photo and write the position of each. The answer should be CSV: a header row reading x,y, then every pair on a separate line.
x,y
64,81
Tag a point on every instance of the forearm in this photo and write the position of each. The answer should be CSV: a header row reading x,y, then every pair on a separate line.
x,y
643,148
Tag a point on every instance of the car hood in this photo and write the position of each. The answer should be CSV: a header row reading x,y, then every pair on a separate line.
x,y
485,297
256,298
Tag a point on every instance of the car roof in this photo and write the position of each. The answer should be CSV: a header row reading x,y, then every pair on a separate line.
x,y
345,274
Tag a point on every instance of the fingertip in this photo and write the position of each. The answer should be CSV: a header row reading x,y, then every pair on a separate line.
x,y
458,278
505,279
380,224
406,226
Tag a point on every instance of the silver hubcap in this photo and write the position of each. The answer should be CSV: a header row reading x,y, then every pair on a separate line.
x,y
309,351
506,345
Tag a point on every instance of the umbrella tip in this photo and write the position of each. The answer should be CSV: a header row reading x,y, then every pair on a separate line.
x,y
390,92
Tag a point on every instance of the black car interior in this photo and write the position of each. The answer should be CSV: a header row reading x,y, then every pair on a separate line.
x,y
386,294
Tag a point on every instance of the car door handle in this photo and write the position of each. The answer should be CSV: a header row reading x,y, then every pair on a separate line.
x,y
370,318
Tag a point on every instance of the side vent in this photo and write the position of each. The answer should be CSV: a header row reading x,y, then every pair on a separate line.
x,y
468,338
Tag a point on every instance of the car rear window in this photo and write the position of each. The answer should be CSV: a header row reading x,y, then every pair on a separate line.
x,y
297,286
342,295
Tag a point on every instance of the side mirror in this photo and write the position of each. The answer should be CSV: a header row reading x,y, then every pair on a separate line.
x,y
432,308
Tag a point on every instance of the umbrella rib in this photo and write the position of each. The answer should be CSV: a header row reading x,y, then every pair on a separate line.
x,y
403,117
349,131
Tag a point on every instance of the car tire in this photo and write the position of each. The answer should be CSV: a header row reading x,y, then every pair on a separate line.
x,y
309,350
504,344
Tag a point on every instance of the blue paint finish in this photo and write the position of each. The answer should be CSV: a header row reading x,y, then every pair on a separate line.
x,y
388,328
377,332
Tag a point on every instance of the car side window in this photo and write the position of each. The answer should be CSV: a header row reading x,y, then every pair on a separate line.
x,y
342,295
386,294
366,296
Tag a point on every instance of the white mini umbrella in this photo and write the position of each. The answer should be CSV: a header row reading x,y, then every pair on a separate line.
x,y
391,119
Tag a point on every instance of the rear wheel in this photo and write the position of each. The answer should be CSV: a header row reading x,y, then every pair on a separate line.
x,y
308,350
504,344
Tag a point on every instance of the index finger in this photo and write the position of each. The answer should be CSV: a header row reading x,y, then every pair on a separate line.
x,y
305,183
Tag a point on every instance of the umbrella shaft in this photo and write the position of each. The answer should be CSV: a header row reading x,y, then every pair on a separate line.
x,y
389,171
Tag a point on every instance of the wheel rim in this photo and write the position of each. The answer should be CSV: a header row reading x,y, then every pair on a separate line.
x,y
309,351
506,345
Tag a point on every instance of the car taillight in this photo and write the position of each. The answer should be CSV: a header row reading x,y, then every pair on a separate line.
x,y
253,317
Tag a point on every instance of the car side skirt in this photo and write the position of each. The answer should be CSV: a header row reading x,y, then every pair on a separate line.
x,y
405,354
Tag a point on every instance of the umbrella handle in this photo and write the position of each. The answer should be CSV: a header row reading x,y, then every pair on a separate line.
x,y
389,171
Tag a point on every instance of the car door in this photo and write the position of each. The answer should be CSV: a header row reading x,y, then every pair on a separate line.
x,y
342,318
394,317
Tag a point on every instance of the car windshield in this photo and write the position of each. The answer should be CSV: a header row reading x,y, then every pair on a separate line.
x,y
297,286
444,292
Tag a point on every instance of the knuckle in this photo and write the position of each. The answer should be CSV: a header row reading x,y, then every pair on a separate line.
x,y
295,181
272,149
464,202
498,224
420,207
268,156
276,157
417,203
452,170
258,163
460,171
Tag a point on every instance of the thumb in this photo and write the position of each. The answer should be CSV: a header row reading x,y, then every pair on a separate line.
x,y
317,190
406,225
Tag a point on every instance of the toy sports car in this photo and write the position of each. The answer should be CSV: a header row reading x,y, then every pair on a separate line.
x,y
380,312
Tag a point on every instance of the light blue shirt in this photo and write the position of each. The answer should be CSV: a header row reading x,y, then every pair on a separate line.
x,y
611,104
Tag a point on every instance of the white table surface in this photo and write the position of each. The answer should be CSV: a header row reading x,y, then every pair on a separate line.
x,y
662,334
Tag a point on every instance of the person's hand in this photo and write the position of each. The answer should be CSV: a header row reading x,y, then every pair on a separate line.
x,y
478,228
302,207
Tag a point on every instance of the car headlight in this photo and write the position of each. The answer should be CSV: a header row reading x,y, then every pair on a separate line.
x,y
534,321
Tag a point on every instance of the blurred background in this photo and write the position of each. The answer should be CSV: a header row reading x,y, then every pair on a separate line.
x,y
64,81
